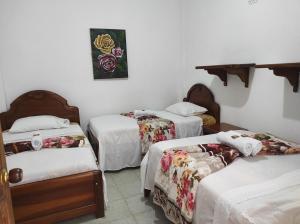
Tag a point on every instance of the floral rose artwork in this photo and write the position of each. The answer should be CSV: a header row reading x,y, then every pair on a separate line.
x,y
109,53
108,62
104,43
118,52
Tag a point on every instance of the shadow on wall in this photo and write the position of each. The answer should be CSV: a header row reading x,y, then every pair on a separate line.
x,y
235,94
291,102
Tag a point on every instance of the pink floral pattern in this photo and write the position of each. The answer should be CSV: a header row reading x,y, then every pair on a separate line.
x,y
63,142
181,170
54,142
108,62
275,146
118,52
166,160
153,129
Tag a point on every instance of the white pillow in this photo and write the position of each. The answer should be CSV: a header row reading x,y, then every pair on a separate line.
x,y
186,109
35,123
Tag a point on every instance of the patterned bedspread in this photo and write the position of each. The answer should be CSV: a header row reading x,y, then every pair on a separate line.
x,y
54,142
153,129
181,169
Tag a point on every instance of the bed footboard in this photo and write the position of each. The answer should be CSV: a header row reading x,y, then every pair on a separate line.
x,y
59,199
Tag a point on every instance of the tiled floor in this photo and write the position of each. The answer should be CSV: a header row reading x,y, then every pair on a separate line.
x,y
127,204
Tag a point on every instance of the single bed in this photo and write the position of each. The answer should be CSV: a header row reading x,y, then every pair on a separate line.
x,y
62,184
116,138
238,188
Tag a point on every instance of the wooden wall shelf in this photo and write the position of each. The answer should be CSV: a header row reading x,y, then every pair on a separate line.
x,y
290,71
241,70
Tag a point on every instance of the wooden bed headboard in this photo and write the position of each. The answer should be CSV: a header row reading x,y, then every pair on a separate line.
x,y
38,102
201,95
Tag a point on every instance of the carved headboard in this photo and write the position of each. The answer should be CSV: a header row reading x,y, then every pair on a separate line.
x,y
201,95
38,102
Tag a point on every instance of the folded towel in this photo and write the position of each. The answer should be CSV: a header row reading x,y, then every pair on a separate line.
x,y
246,145
139,113
37,141
256,147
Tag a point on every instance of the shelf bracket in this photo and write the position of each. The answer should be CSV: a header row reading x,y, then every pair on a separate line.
x,y
292,76
222,71
242,73
290,71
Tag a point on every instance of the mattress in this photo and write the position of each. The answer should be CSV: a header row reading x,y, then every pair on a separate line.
x,y
50,163
119,140
237,177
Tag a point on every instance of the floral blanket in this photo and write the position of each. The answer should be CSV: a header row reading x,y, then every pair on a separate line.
x,y
54,142
181,169
153,129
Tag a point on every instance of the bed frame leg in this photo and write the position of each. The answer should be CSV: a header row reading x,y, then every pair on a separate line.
x,y
99,195
146,193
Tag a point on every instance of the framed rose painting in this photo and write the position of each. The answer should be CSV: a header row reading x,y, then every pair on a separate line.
x,y
109,53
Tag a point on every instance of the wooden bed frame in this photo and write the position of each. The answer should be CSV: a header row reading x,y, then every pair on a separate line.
x,y
201,95
198,94
57,199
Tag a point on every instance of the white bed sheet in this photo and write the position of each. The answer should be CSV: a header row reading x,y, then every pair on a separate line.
x,y
240,173
118,138
274,201
119,141
185,126
50,163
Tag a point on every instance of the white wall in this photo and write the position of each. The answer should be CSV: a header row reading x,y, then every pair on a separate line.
x,y
2,95
45,44
232,31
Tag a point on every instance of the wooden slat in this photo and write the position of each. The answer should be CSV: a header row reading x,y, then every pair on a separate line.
x,y
282,65
226,66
